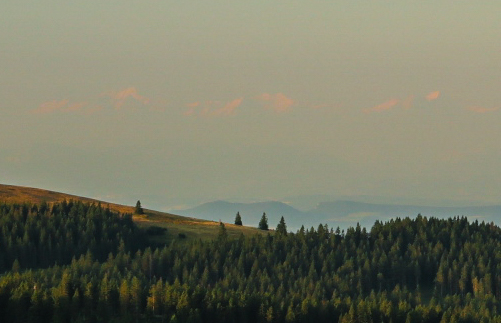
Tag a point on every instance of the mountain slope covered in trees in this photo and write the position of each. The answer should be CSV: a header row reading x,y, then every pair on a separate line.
x,y
402,270
176,225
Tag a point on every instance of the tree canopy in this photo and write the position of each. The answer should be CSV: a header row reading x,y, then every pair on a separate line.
x,y
80,262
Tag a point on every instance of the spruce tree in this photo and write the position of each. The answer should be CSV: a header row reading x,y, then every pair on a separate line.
x,y
263,223
238,219
282,227
139,209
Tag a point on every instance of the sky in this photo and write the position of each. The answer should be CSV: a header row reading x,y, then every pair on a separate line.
x,y
177,103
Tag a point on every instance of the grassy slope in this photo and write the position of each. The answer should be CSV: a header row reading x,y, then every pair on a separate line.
x,y
193,228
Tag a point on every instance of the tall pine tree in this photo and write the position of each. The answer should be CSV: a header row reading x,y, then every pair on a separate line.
x,y
263,223
139,209
238,219
282,227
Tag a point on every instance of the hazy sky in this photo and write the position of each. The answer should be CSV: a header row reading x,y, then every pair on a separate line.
x,y
180,102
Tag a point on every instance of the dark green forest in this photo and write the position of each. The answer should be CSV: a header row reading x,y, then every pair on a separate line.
x,y
76,262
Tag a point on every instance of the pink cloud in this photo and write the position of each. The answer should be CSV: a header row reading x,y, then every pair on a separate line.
x,y
432,95
121,97
229,107
478,109
319,106
212,108
383,106
277,102
118,99
407,102
50,106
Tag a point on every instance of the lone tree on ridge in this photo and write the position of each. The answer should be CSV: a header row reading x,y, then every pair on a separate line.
x,y
139,209
238,219
263,223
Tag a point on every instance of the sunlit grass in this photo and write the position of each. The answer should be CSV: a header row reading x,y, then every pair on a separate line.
x,y
179,228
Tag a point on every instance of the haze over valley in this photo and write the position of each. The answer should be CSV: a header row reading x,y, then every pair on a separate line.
x,y
342,214
178,104
250,161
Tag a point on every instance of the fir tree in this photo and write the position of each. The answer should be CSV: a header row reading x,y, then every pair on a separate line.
x,y
263,223
282,227
139,209
238,219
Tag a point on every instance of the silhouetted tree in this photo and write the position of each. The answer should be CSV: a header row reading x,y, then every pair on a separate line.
x,y
139,209
238,219
263,223
282,227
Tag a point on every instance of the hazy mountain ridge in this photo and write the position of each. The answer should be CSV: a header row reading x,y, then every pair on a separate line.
x,y
342,213
251,212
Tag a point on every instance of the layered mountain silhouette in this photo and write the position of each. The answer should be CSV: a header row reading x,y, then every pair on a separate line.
x,y
251,212
334,214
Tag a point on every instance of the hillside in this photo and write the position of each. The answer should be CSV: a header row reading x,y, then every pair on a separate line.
x,y
251,212
190,227
83,263
21,194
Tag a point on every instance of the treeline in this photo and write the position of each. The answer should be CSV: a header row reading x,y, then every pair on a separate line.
x,y
39,236
404,270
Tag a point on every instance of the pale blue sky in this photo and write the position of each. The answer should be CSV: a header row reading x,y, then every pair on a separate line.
x,y
180,102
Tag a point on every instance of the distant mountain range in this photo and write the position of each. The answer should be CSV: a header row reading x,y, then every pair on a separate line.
x,y
337,213
342,213
251,212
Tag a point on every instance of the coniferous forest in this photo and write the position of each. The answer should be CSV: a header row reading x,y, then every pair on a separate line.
x,y
76,262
